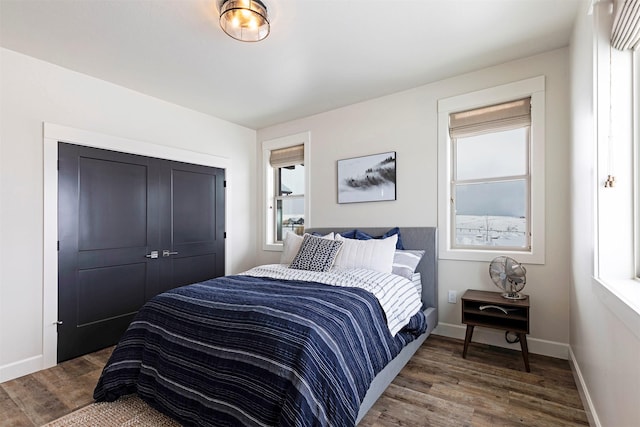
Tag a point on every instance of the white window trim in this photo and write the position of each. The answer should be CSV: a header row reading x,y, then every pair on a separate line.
x,y
635,131
615,279
534,87
268,191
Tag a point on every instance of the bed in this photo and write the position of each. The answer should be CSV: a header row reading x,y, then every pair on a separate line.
x,y
205,354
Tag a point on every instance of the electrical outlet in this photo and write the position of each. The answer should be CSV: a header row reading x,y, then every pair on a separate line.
x,y
453,295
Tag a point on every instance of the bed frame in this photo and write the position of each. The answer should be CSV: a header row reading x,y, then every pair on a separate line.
x,y
423,238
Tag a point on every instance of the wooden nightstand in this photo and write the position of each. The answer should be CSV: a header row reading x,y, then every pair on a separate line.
x,y
491,310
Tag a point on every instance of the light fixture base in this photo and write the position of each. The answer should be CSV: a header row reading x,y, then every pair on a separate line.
x,y
245,20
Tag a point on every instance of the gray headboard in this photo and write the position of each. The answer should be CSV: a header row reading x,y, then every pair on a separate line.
x,y
424,238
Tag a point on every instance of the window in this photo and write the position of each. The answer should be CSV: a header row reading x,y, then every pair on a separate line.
x,y
490,177
288,169
616,116
491,173
286,188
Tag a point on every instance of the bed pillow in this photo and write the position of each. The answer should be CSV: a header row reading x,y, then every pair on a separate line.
x,y
373,254
350,234
361,235
316,254
291,245
405,262
416,279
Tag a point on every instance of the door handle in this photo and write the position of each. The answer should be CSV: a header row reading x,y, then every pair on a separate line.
x,y
167,252
153,255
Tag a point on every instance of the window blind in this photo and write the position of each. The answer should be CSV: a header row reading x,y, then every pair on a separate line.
x,y
505,116
288,156
625,33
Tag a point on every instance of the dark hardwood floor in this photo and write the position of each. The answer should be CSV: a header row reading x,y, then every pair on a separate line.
x,y
436,388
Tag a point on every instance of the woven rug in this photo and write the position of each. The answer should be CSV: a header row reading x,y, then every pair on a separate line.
x,y
124,412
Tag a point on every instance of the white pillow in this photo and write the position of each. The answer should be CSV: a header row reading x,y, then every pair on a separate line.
x,y
291,246
374,254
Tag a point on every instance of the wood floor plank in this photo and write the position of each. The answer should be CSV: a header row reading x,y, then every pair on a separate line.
x,y
35,401
437,387
11,414
51,393
496,378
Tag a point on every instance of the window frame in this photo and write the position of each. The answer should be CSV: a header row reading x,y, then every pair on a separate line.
x,y
269,242
277,180
635,135
526,177
534,88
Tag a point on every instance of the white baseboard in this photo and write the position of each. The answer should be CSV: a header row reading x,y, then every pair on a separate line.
x,y
20,368
496,338
590,410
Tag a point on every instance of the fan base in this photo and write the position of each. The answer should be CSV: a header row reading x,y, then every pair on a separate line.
x,y
513,295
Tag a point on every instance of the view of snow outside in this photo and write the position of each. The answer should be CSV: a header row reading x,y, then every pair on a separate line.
x,y
491,189
501,231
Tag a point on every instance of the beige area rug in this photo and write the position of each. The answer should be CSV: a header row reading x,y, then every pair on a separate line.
x,y
124,412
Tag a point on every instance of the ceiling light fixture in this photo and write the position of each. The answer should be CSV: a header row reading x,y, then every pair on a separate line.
x,y
244,20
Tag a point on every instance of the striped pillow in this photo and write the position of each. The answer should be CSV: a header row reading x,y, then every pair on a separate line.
x,y
405,262
416,279
316,254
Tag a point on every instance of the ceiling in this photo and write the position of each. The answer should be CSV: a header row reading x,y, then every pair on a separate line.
x,y
320,55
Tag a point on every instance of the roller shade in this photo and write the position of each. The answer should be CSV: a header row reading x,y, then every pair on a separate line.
x,y
509,115
625,33
289,156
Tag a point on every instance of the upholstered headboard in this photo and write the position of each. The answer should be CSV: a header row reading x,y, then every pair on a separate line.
x,y
422,238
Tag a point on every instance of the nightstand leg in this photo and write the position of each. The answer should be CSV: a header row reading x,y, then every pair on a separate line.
x,y
467,340
525,350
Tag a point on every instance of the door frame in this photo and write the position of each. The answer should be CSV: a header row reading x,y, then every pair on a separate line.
x,y
52,134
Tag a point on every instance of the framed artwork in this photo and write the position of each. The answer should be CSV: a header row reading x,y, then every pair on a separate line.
x,y
367,178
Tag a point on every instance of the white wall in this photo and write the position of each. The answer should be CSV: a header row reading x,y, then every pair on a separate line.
x,y
406,122
33,92
605,350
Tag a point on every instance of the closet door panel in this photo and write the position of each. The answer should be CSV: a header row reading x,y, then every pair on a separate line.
x,y
192,224
106,227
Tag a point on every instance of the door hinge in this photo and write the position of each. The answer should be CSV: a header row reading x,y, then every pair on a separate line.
x,y
58,245
58,164
225,234
224,183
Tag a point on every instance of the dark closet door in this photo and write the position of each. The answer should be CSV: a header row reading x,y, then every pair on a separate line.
x,y
116,211
192,223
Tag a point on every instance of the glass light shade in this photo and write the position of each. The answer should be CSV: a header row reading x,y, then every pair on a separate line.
x,y
244,20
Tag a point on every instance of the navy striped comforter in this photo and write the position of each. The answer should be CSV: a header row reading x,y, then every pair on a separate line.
x,y
241,350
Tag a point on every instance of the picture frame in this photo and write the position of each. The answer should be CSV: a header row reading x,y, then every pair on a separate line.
x,y
370,178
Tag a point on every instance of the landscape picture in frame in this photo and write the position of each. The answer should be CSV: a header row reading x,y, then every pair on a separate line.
x,y
367,178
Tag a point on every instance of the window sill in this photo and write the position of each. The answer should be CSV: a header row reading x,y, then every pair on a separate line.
x,y
275,247
524,257
622,297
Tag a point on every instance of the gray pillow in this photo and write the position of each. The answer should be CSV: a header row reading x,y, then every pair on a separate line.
x,y
316,254
405,262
